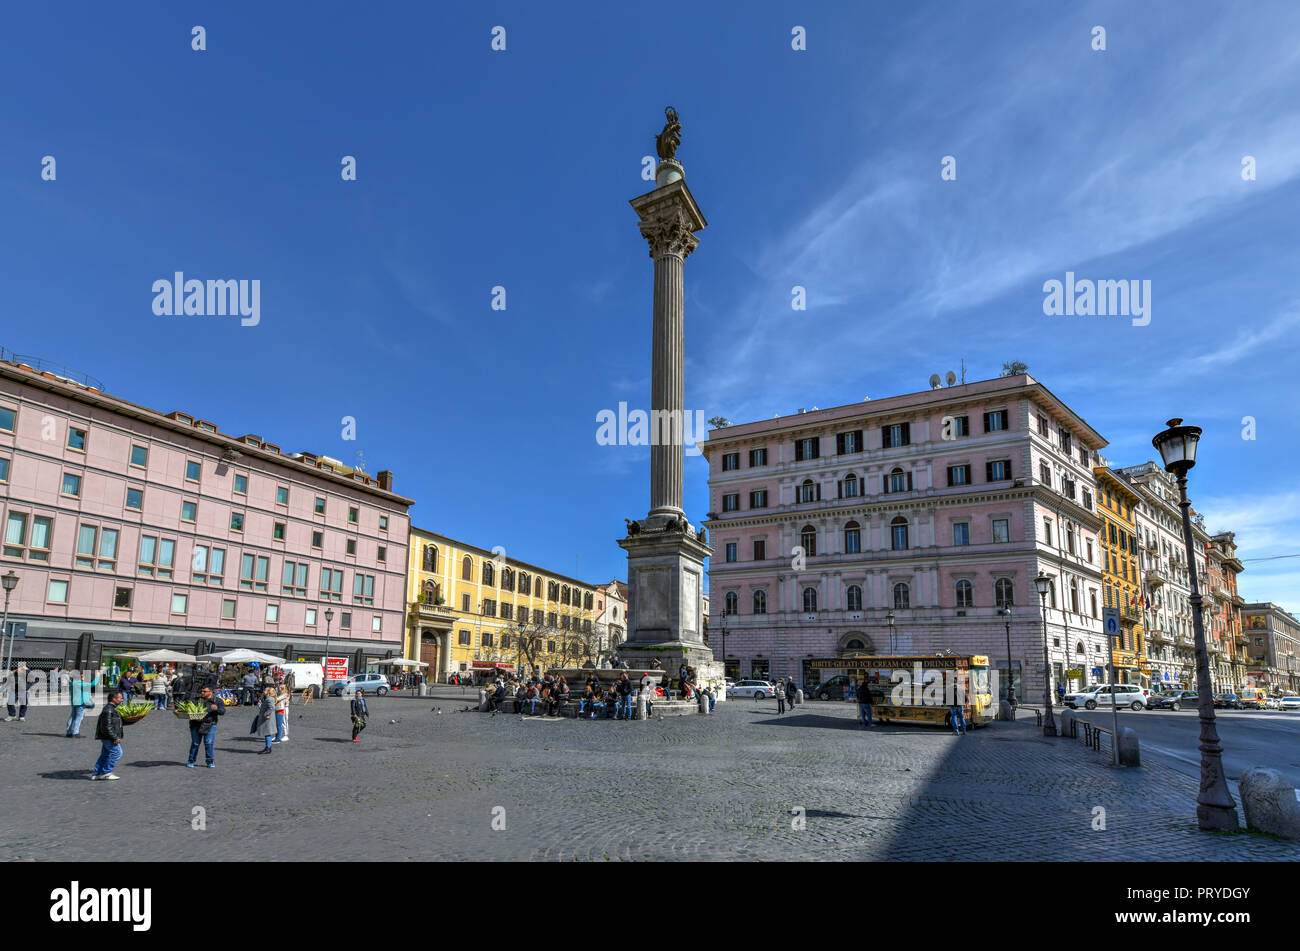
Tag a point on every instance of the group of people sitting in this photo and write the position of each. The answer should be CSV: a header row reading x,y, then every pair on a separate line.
x,y
616,701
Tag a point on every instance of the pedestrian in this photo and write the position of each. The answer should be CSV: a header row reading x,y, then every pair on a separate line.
x,y
864,703
359,715
624,697
158,690
18,690
957,711
108,730
266,719
126,683
248,688
282,713
81,702
780,696
205,731
790,691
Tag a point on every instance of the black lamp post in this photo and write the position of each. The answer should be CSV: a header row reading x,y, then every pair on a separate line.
x,y
10,581
1011,690
329,616
1044,584
722,624
889,618
1215,807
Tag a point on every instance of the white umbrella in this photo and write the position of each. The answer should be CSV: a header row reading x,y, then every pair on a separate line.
x,y
403,662
165,656
242,655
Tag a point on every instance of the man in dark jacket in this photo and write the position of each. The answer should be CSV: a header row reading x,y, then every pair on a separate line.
x,y
864,703
108,730
205,731
624,697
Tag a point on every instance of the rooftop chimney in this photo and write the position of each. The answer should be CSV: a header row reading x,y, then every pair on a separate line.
x,y
386,480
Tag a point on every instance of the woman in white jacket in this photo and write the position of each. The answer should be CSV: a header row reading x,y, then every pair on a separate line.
x,y
158,690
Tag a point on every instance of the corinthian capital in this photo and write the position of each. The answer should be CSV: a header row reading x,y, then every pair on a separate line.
x,y
669,233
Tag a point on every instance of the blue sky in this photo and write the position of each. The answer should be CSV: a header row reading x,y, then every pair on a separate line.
x,y
819,168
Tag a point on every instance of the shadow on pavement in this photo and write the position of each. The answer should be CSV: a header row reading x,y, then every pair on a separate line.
x,y
68,774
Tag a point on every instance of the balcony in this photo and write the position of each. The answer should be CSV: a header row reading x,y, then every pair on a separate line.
x,y
429,612
1130,612
1221,593
1159,636
1156,577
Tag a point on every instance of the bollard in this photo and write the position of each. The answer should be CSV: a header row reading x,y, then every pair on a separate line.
x,y
1127,744
640,705
482,699
1069,724
422,690
1269,802
798,695
704,701
1005,712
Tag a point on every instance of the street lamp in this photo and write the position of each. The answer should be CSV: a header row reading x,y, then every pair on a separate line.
x,y
889,618
329,616
1215,808
1044,584
10,581
722,624
1011,692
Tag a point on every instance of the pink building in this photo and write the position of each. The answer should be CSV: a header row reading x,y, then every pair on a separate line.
x,y
133,529
940,507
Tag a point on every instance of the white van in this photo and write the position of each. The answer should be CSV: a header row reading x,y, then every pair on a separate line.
x,y
306,675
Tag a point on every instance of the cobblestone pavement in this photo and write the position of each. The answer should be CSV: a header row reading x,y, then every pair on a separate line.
x,y
430,785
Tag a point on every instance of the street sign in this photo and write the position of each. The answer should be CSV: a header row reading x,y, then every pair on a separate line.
x,y
336,668
16,629
1110,621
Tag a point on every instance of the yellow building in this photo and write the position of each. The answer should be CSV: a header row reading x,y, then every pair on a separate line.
x,y
1121,569
474,609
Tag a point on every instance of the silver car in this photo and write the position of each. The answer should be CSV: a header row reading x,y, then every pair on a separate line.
x,y
374,685
758,689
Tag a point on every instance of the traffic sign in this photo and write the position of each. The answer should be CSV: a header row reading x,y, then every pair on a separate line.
x,y
1110,621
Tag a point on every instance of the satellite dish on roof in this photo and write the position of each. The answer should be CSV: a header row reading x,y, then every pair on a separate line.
x,y
951,378
935,382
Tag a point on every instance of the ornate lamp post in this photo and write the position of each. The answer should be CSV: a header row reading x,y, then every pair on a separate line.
x,y
722,625
1044,584
10,581
889,618
329,616
1215,807
1011,689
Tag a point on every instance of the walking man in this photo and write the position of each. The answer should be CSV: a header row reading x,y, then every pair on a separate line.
x,y
957,712
108,730
780,696
18,689
864,703
205,731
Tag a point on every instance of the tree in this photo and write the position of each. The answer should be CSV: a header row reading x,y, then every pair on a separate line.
x,y
1014,368
719,422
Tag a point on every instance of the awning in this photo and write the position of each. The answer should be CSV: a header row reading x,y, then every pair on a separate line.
x,y
490,665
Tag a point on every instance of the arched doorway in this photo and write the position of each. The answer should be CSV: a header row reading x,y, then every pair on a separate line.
x,y
429,653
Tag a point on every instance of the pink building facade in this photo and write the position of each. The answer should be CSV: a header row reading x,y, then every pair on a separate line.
x,y
940,507
133,529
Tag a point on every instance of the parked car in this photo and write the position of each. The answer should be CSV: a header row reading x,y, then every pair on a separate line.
x,y
1173,700
832,689
1126,695
1291,703
758,689
306,676
1273,703
375,685
1227,701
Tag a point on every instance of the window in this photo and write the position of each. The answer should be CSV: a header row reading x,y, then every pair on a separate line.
x,y
898,481
15,535
1001,529
852,538
376,623
345,620
121,597
255,573
317,539
180,603
57,592
76,439
809,491
1089,542
805,449
730,461
849,487
134,499
272,613
281,495
959,475
961,533
236,521
7,417
1069,539
156,556
277,531
139,456
731,604
999,470
467,569
382,554
464,603
808,540
1087,500
1043,425
463,639
995,421
42,529
810,600
490,608
320,506
241,485
1004,593
757,457
731,551
760,549
898,533
383,523
853,598
848,442
965,594
731,502
352,546
1047,530
331,584
902,596
758,499
189,510
1065,442
191,470
490,574
538,615
228,609
86,547
899,434
1045,474
71,485
293,580
4,469
760,602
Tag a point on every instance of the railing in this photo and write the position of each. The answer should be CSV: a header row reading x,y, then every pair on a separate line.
x,y
46,366
1156,577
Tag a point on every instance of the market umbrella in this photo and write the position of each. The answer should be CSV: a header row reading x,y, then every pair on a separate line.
x,y
242,655
165,656
402,662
